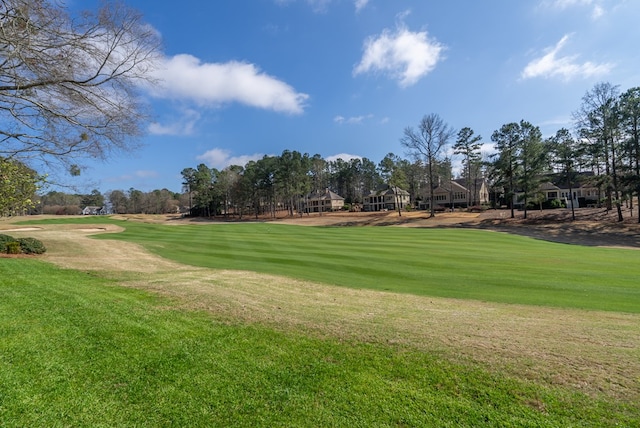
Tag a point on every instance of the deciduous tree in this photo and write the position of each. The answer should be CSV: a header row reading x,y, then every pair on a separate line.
x,y
68,84
427,143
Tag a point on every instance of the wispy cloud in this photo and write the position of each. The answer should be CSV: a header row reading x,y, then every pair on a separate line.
x,y
354,120
401,54
321,6
361,4
221,158
597,8
181,126
185,77
551,65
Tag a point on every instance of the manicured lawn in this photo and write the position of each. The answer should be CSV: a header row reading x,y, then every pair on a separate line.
x,y
459,263
77,350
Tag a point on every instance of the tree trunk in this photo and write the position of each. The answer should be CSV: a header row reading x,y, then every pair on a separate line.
x,y
573,210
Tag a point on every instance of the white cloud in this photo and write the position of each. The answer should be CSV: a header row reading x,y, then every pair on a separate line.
x,y
361,4
181,126
221,158
354,120
185,77
402,54
344,156
563,4
597,12
597,9
565,67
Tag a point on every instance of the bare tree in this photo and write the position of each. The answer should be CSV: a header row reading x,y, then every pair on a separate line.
x,y
68,83
427,143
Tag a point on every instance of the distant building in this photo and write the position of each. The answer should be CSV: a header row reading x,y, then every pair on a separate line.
x,y
582,194
323,201
88,210
454,194
386,198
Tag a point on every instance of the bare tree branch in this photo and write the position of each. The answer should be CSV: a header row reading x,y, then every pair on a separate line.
x,y
68,85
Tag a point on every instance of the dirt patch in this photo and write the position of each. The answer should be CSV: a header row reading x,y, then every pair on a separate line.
x,y
592,226
21,229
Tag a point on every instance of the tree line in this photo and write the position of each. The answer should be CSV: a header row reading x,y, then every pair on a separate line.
x,y
132,201
604,142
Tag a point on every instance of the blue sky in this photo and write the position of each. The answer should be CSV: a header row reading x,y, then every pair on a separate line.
x,y
247,78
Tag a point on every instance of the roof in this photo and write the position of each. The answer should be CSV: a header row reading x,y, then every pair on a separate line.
x,y
325,194
452,186
547,185
478,182
388,190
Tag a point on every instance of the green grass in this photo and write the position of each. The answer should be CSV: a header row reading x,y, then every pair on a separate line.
x,y
458,263
76,350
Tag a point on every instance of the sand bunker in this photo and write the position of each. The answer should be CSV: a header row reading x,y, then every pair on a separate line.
x,y
21,229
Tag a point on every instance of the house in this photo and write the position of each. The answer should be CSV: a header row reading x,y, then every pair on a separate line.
x,y
546,192
89,210
581,193
454,194
323,201
478,190
386,198
451,195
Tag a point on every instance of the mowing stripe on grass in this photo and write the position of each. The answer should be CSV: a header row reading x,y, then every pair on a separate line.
x,y
458,263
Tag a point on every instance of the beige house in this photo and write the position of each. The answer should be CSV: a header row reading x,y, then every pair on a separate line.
x,y
478,190
450,195
323,201
454,194
386,198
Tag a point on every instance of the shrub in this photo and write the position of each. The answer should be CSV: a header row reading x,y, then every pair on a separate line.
x,y
557,204
13,247
3,242
31,246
